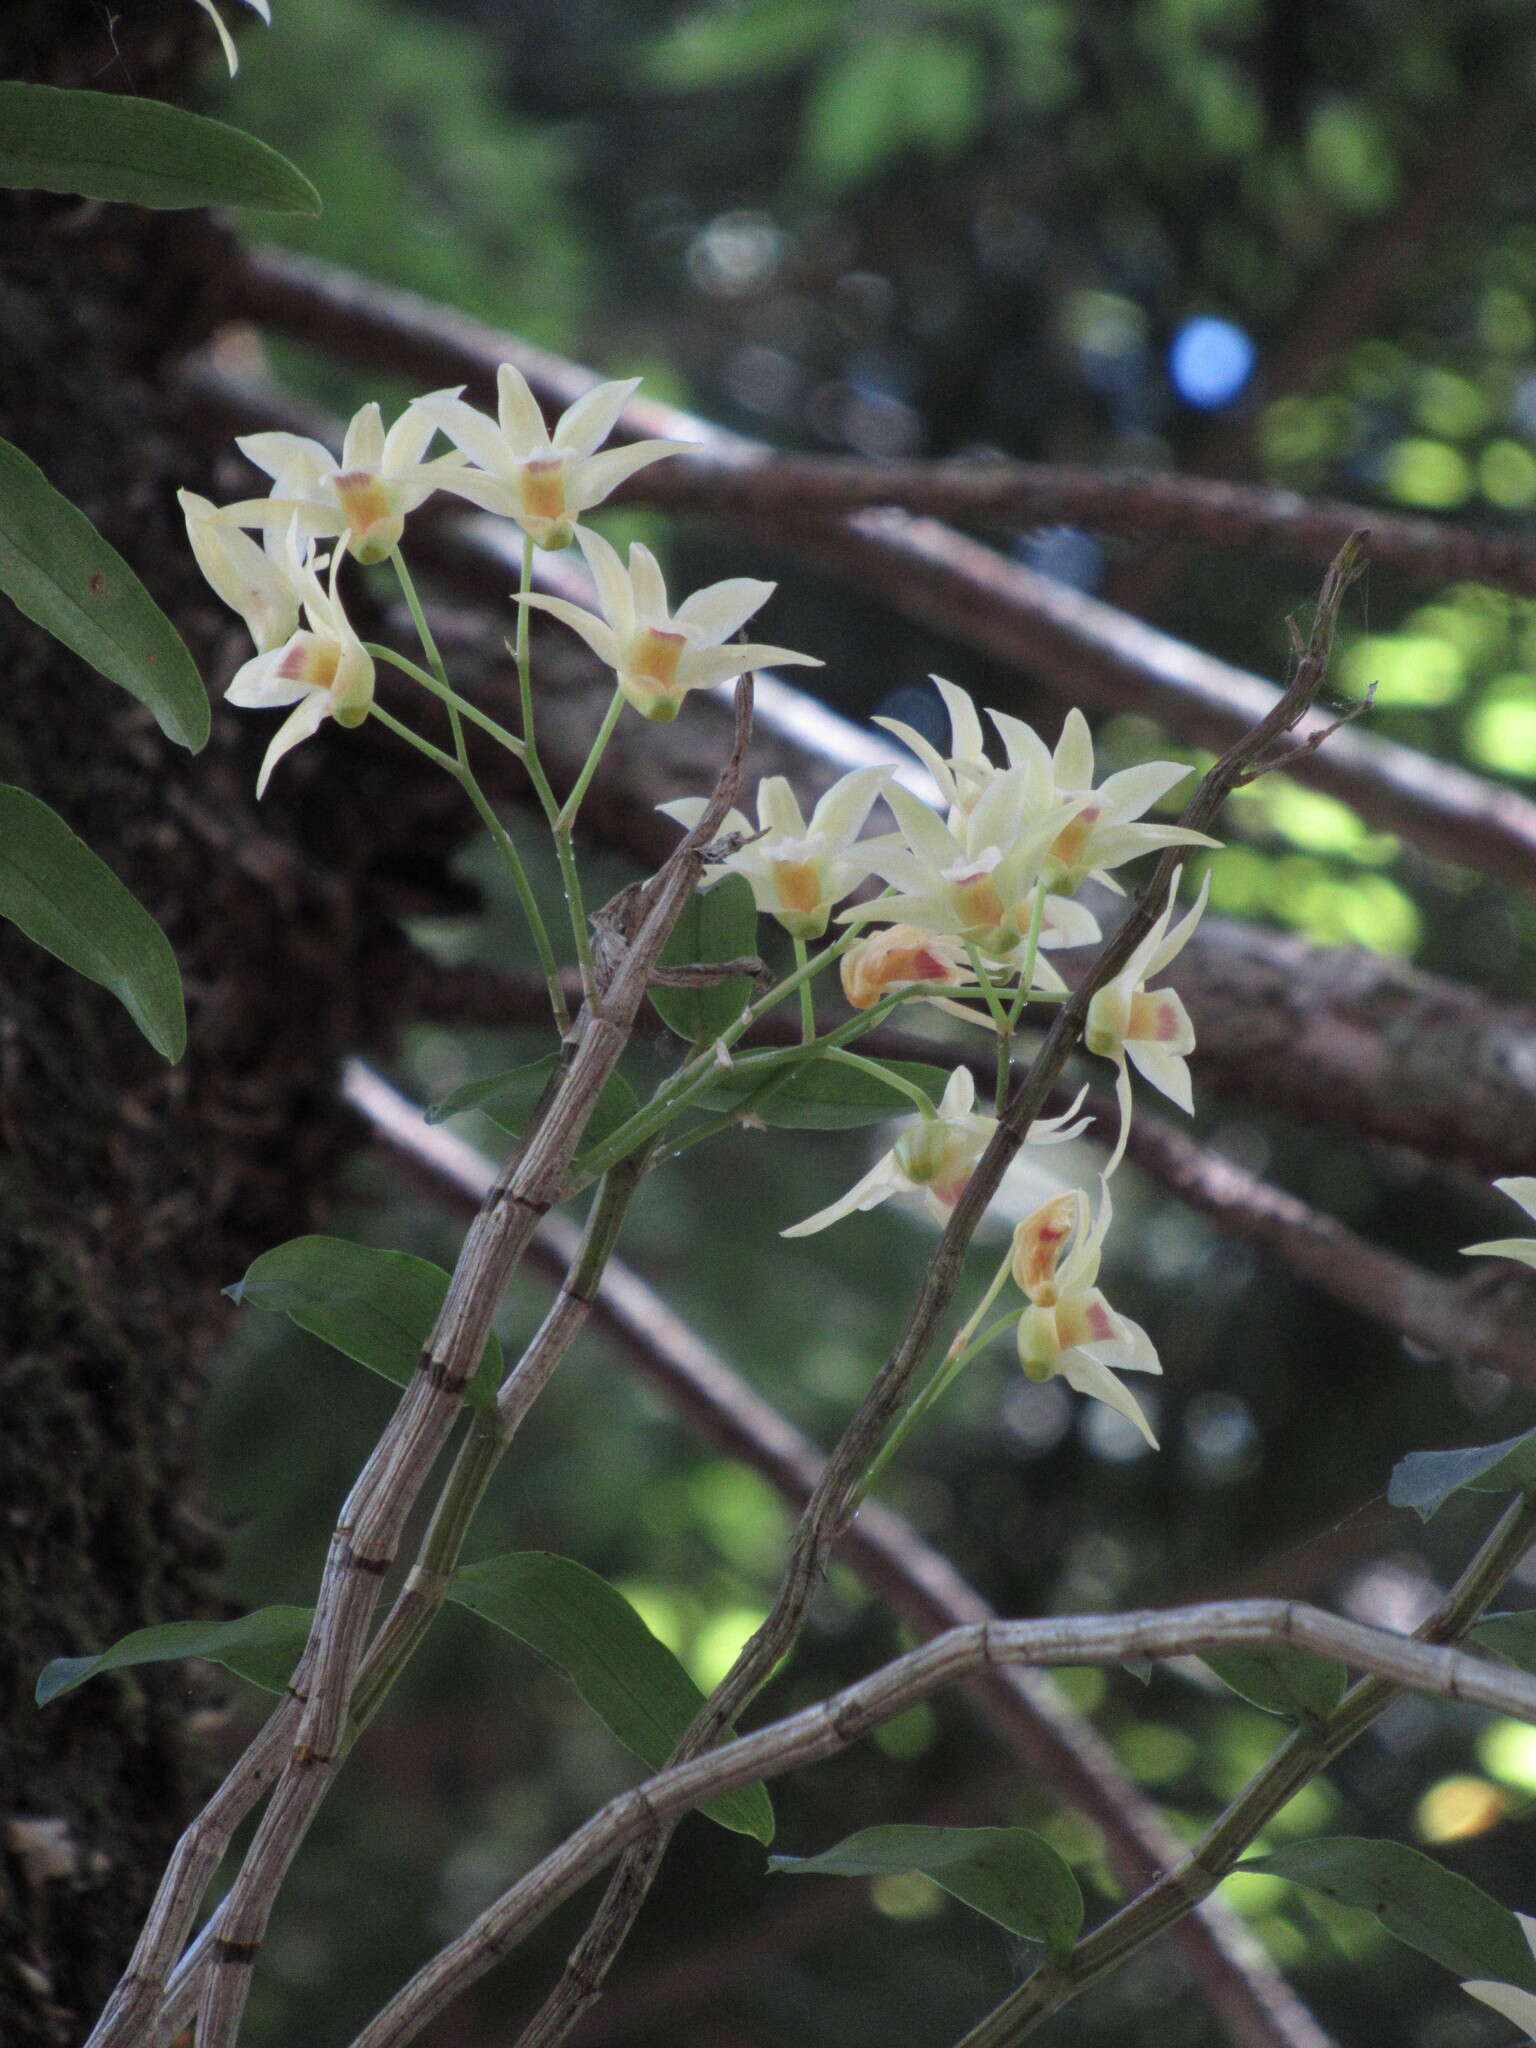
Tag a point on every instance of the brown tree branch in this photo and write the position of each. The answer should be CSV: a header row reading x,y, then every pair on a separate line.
x,y
915,1581
1096,655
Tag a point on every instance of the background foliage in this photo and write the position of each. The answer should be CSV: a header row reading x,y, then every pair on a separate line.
x,y
1279,241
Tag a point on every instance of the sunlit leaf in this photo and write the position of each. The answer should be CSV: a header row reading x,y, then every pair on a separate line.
x,y
716,924
1293,1683
375,1306
112,145
758,40
1425,1480
1012,1875
68,901
1442,1915
822,1095
263,1647
55,567
632,1682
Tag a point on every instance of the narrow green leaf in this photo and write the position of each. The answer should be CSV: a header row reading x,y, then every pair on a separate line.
x,y
1293,1683
1012,1875
1425,1480
716,924
55,567
111,145
377,1307
758,40
263,1647
510,1098
68,901
1442,1915
1512,1635
632,1682
822,1095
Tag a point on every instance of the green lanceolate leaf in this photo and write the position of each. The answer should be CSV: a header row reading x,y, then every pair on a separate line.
x,y
509,1099
821,1095
110,145
377,1307
1425,1480
1512,1635
62,896
632,1682
55,567
263,1647
1012,1875
716,924
1443,1915
1294,1683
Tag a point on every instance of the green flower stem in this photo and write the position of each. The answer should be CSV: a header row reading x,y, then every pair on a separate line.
x,y
921,1101
435,755
572,804
807,1003
1001,1023
491,1433
695,1075
1298,1760
1031,955
429,648
450,697
524,888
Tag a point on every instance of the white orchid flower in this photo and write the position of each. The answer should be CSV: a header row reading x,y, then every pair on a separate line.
x,y
1522,1189
324,671
1508,2000
659,655
963,775
251,580
1150,1028
1069,1331
367,491
543,480
902,957
975,878
1102,832
935,1156
231,55
799,872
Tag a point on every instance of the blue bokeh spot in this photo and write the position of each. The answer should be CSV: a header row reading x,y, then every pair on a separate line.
x,y
1209,361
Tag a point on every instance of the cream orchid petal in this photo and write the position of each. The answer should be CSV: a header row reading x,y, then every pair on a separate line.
x,y
1521,1188
840,815
256,686
288,455
1068,923
583,429
1060,1129
884,1179
928,754
231,54
472,431
594,476
714,613
701,669
777,808
598,636
1170,947
1167,1071
1128,794
315,519
1088,1375
519,414
648,585
929,838
411,435
300,725
959,1093
1133,1351
966,742
1522,1249
1507,2000
478,487
1123,1104
362,445
687,811
1073,758
615,595
1023,745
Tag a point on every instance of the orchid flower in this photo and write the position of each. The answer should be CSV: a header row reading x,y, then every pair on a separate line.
x,y
1102,833
798,871
659,655
900,958
543,480
974,878
1150,1028
367,492
935,1156
1520,1188
251,580
1069,1331
324,671
231,55
962,776
1508,2000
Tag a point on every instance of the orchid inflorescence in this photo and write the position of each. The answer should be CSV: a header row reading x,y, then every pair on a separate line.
x,y
958,907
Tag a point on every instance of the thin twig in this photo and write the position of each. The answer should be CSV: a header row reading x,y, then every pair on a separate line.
x,y
916,1581
832,1725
